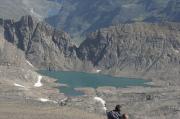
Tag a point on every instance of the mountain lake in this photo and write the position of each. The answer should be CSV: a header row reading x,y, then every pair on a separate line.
x,y
80,80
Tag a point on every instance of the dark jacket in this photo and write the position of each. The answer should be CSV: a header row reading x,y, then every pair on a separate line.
x,y
114,115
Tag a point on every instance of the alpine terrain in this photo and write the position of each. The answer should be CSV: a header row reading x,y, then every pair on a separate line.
x,y
135,39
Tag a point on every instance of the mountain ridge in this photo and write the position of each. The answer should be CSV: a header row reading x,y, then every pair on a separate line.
x,y
81,16
44,46
15,9
136,47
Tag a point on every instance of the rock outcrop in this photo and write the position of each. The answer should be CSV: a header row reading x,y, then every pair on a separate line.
x,y
10,55
131,48
44,46
137,47
18,78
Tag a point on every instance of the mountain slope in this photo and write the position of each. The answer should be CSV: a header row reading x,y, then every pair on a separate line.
x,y
82,16
15,9
44,46
136,47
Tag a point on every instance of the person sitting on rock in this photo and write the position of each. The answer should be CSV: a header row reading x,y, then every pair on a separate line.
x,y
115,114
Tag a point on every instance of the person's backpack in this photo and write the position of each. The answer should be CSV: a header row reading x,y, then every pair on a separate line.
x,y
114,115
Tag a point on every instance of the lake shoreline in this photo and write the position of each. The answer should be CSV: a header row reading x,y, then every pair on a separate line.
x,y
137,101
80,80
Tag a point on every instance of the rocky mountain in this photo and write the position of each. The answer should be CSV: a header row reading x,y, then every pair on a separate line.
x,y
82,16
43,46
134,47
9,54
15,9
130,38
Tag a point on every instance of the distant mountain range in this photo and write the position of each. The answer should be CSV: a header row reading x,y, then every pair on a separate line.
x,y
15,9
79,17
128,43
82,16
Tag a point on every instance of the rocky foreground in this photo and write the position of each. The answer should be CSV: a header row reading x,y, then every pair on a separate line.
x,y
20,98
138,102
25,94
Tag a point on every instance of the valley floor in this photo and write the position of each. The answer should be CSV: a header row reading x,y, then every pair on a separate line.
x,y
15,110
22,101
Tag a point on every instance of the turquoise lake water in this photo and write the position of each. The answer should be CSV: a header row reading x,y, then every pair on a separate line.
x,y
81,79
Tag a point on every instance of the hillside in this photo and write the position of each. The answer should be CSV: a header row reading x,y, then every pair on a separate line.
x,y
15,9
136,48
81,16
20,98
133,48
44,47
118,39
143,50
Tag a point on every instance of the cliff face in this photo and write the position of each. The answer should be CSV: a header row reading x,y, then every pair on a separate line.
x,y
9,54
44,46
17,75
139,47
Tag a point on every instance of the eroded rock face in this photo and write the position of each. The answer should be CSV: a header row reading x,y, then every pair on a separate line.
x,y
139,47
9,54
44,46
136,47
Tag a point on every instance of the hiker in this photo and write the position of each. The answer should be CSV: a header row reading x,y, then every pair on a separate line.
x,y
116,113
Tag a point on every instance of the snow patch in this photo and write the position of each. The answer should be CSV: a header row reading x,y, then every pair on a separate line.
x,y
103,102
65,99
98,71
43,100
46,100
98,99
38,83
29,63
18,85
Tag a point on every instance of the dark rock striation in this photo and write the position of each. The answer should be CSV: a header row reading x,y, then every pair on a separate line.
x,y
9,54
44,46
131,48
137,47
